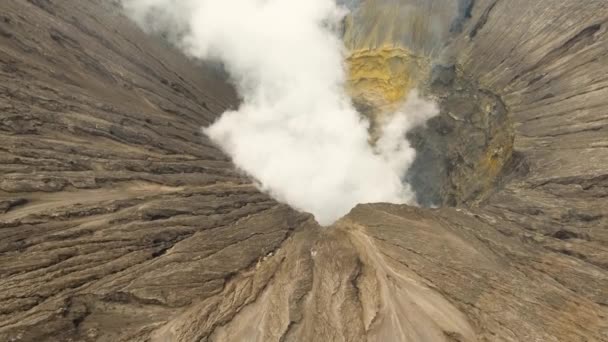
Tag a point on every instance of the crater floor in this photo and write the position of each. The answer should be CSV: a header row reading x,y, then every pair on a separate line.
x,y
120,222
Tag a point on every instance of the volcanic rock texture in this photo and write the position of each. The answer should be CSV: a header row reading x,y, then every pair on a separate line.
x,y
119,221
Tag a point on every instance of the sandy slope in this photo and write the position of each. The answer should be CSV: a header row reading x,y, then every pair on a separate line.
x,y
120,222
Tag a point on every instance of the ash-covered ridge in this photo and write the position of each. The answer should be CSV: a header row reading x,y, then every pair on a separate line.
x,y
120,221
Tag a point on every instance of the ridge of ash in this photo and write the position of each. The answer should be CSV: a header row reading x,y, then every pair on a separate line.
x,y
120,221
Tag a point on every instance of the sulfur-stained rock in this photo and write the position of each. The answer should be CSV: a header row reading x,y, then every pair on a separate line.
x,y
120,221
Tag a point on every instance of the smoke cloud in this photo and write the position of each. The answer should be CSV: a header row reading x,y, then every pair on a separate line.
x,y
296,131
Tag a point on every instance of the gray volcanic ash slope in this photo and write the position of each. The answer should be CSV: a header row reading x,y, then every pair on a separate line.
x,y
120,221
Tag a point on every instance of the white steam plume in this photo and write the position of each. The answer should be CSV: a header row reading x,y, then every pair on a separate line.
x,y
296,131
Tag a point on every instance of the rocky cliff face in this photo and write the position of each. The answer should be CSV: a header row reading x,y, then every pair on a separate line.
x,y
119,221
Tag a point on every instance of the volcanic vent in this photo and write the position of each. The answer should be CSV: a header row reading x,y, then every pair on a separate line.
x,y
396,47
121,221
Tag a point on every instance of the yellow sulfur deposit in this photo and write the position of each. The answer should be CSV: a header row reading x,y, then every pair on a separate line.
x,y
390,44
381,78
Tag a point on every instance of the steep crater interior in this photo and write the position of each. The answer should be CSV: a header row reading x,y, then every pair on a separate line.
x,y
462,153
120,221
397,47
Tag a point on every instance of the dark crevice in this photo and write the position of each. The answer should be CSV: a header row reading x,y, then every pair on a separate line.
x,y
465,10
482,20
565,235
8,205
124,297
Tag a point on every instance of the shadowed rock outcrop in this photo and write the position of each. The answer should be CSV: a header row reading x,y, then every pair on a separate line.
x,y
120,221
